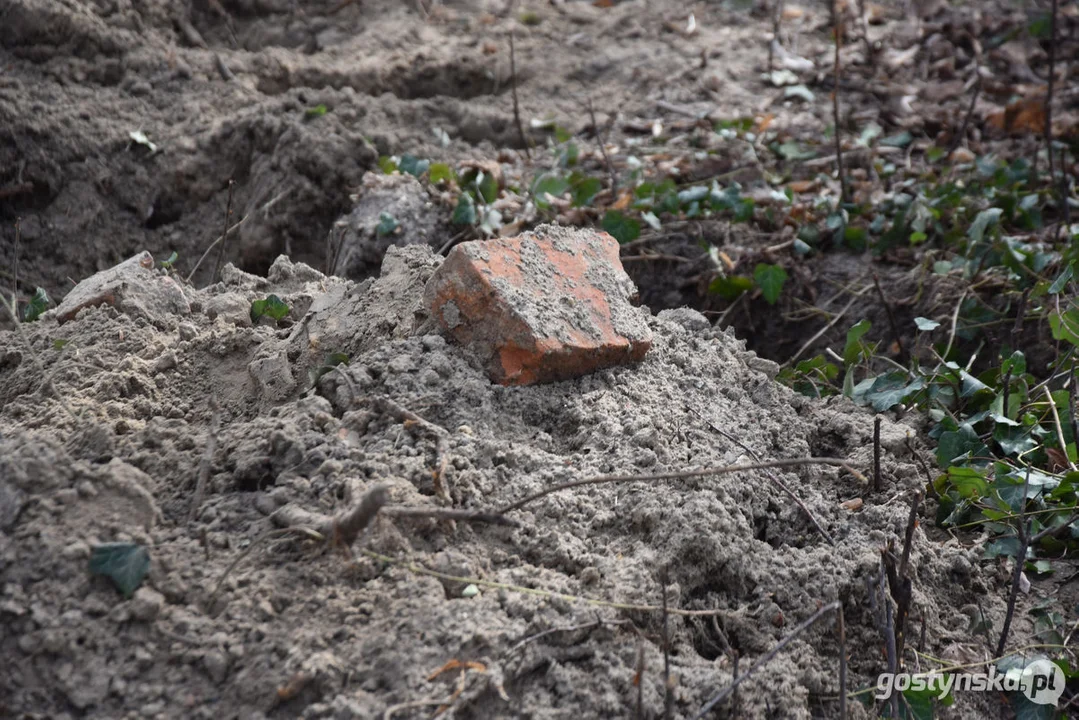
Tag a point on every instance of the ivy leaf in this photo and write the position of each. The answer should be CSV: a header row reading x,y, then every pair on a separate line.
x,y
168,263
1065,326
386,224
439,173
413,165
272,306
387,165
622,228
584,190
548,184
316,112
38,304
1062,280
959,445
854,336
730,287
465,212
770,279
982,222
125,563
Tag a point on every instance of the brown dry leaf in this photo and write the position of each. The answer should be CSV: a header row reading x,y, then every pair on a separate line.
x,y
852,505
802,186
763,122
603,3
793,12
456,664
624,200
1022,116
489,48
1058,461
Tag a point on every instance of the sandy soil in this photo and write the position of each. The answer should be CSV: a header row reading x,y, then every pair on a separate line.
x,y
104,436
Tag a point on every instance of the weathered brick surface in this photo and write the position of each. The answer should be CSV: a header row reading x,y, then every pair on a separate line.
x,y
132,287
537,308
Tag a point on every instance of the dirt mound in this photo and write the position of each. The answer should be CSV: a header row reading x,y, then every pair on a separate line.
x,y
122,460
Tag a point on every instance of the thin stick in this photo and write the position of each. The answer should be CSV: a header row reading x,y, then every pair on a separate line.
x,y
640,680
348,525
15,277
1017,572
1056,425
668,690
955,322
603,148
957,140
891,315
224,234
844,193
212,246
876,454
516,106
1049,96
722,695
842,664
912,521
207,460
771,476
599,622
777,19
478,516
682,475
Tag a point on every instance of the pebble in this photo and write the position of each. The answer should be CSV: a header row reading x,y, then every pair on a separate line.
x,y
217,665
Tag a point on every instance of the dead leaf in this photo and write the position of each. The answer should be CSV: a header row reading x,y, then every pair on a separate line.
x,y
852,505
1058,461
1022,116
456,664
802,186
293,687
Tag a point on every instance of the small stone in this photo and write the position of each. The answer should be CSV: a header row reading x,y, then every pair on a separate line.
x,y
188,331
167,361
146,604
230,307
217,665
77,550
133,287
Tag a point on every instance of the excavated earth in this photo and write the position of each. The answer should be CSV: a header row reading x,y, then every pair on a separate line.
x,y
193,431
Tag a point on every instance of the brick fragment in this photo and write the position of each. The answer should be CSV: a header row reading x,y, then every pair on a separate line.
x,y
548,306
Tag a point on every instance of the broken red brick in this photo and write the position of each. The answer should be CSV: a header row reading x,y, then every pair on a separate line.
x,y
538,308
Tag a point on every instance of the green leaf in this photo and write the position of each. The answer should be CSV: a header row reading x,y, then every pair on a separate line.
x,y
316,111
1062,280
730,287
918,704
584,189
465,212
272,307
413,165
969,482
770,279
440,173
925,324
900,140
548,184
386,224
387,165
960,444
623,229
168,263
1065,326
125,563
852,349
38,304
60,343
982,222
